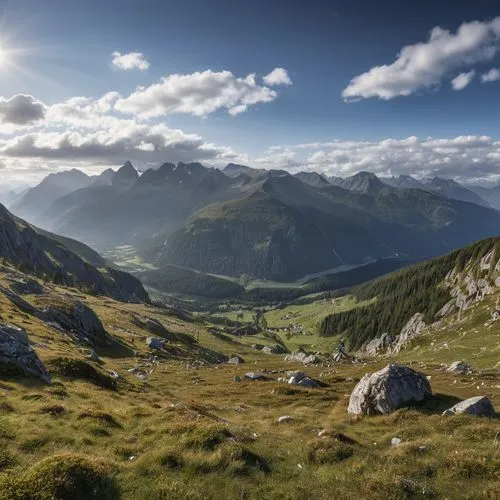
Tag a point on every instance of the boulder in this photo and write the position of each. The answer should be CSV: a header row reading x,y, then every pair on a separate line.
x,y
285,419
236,360
275,349
480,406
157,344
385,391
82,320
459,367
16,351
303,357
301,379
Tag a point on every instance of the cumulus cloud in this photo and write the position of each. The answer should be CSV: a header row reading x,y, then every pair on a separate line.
x,y
462,80
198,94
423,65
491,76
21,110
468,158
278,76
132,60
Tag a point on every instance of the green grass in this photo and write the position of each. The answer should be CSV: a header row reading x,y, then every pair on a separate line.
x,y
192,431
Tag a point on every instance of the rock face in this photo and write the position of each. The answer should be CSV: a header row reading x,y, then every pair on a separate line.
x,y
385,391
459,367
411,330
82,320
16,351
378,345
479,406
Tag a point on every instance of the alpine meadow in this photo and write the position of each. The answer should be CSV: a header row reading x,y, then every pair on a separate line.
x,y
249,250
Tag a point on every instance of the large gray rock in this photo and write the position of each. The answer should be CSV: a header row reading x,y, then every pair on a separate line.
x,y
301,379
236,360
80,319
385,391
479,406
275,349
16,351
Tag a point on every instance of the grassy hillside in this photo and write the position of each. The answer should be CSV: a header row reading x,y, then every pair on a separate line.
x,y
402,294
190,430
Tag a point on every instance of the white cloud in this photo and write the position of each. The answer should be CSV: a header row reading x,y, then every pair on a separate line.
x,y
198,94
465,157
462,80
278,76
21,110
424,65
491,76
132,60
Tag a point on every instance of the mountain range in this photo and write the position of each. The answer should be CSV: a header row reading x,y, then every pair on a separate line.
x,y
262,223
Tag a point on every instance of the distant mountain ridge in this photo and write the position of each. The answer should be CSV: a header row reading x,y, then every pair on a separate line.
x,y
267,223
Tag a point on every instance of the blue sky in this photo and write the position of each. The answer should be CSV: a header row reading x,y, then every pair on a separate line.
x,y
55,50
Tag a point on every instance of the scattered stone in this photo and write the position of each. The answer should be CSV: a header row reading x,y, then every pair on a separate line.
x,y
459,367
385,391
255,376
395,441
236,360
309,383
154,343
479,406
301,379
285,419
16,351
303,357
275,349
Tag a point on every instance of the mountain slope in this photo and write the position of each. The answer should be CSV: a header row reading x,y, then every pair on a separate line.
x,y
433,289
62,261
39,198
286,229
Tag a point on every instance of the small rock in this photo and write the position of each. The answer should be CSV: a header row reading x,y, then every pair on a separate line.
x,y
255,376
284,419
459,367
236,360
479,406
154,343
395,441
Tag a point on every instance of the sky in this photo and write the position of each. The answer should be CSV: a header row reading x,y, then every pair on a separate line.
x,y
335,87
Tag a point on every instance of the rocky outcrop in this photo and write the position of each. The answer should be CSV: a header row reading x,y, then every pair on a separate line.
x,y
304,358
379,345
81,320
16,352
236,360
387,390
411,330
274,349
302,380
479,406
27,287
